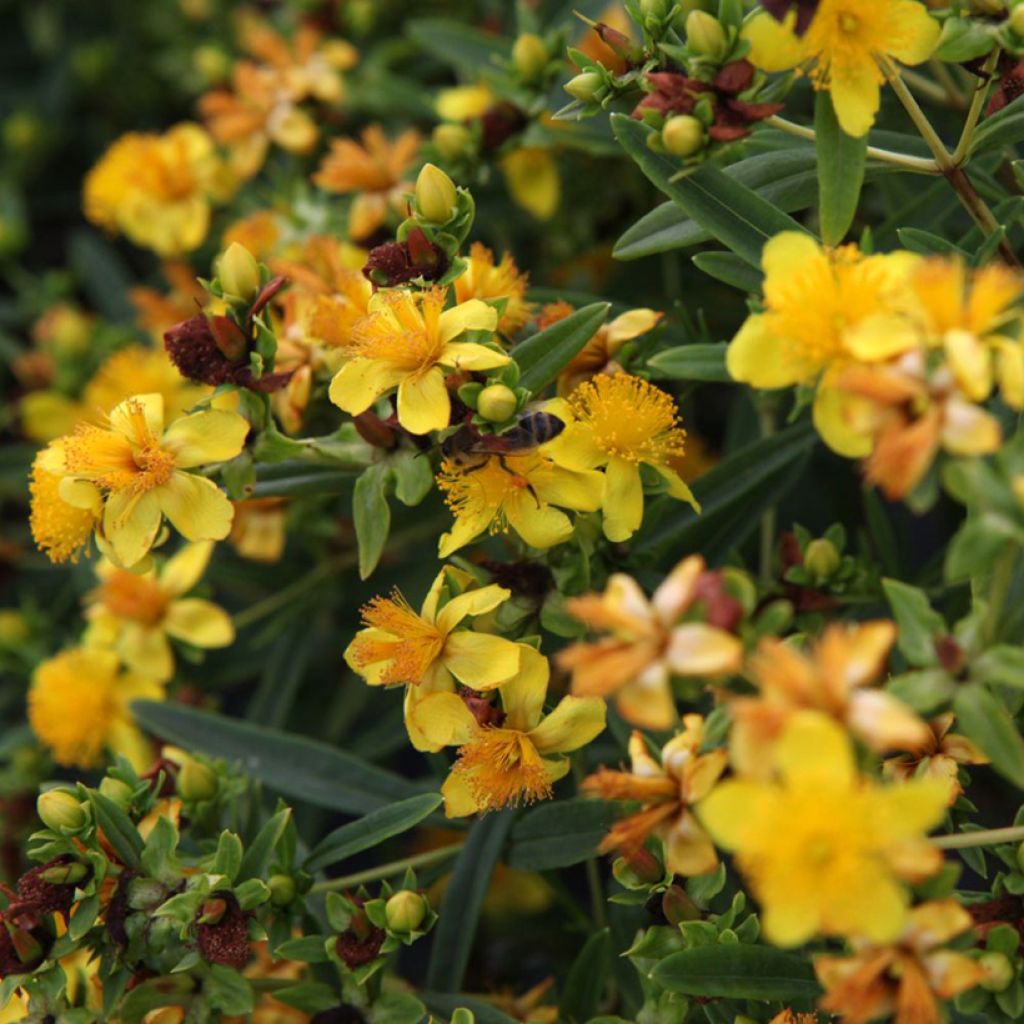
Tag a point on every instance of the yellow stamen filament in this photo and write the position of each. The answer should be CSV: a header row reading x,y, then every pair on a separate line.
x,y
503,768
474,490
405,333
411,648
59,529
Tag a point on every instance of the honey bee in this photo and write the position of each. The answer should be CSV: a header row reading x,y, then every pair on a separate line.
x,y
530,431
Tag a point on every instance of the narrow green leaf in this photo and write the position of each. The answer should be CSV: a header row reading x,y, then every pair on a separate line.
x,y
463,899
457,44
586,980
983,718
261,849
841,164
372,515
730,269
1003,664
371,830
122,835
542,357
926,243
919,623
1004,128
692,362
558,835
295,766
483,1012
296,479
738,971
734,214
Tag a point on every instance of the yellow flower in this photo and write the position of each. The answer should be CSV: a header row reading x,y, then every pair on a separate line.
x,y
463,102
407,341
621,422
259,232
647,644
667,788
157,189
533,182
60,530
137,614
259,529
824,308
835,678
157,310
79,707
846,41
134,473
515,757
822,849
903,981
484,279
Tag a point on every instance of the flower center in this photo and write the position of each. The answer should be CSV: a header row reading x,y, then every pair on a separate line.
x,y
403,332
410,644
502,767
129,596
481,490
848,22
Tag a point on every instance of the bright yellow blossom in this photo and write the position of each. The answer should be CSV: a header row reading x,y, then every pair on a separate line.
x,y
132,473
136,614
259,530
822,849
845,43
485,279
516,756
464,102
79,706
60,530
406,342
533,181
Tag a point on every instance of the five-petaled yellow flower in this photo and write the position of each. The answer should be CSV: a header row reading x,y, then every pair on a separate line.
x,y
823,849
485,279
514,755
846,44
136,614
407,342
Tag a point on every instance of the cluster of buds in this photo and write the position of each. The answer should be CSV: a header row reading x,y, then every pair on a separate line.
x,y
815,568
496,401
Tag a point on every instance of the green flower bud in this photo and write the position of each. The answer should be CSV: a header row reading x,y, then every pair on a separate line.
x,y
705,35
452,141
116,790
655,8
282,890
683,135
65,874
238,272
585,87
435,195
998,971
197,781
530,56
497,403
1017,20
821,558
61,810
13,627
212,63
405,911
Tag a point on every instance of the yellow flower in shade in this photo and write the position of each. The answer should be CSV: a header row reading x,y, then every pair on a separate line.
x,y
844,44
621,422
464,102
823,309
836,678
822,849
905,980
533,182
157,189
516,756
259,529
138,614
974,315
79,705
648,641
158,310
60,530
134,473
485,279
407,342
259,232
667,788
376,172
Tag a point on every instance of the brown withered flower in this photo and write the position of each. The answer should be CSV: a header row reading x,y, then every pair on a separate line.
x,y
360,943
46,889
221,931
395,263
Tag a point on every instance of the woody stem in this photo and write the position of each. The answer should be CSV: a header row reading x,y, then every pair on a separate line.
x,y
986,837
389,870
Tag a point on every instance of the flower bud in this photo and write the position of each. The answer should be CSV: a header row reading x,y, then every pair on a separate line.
x,y
998,971
683,135
585,87
13,627
655,8
282,889
60,810
238,272
497,403
705,35
452,141
530,56
435,195
117,791
821,558
64,874
1017,484
677,906
405,911
1017,20
197,781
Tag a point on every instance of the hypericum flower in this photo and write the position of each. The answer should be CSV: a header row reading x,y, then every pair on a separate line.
x,y
78,706
621,422
485,279
667,789
835,678
823,849
260,232
376,171
464,102
157,310
258,531
533,181
974,316
407,341
823,308
134,471
515,759
136,614
157,189
649,641
938,757
904,981
60,530
845,42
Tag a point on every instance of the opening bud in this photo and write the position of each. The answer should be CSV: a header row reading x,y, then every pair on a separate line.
x,y
61,810
238,272
998,971
116,790
405,911
452,141
586,87
821,558
530,56
435,195
197,781
497,403
705,35
64,874
677,906
683,135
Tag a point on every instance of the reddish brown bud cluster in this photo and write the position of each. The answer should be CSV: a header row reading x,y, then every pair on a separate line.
x,y
619,43
221,931
360,943
805,11
721,609
676,93
1011,84
499,123
395,263
162,776
486,713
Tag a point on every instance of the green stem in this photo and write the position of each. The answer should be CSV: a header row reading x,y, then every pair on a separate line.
x,y
1002,580
286,595
975,109
389,870
766,416
933,91
949,83
986,837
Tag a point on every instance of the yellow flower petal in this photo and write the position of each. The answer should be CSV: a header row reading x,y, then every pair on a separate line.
x,y
623,500
522,697
541,526
131,523
773,44
472,315
913,31
481,660
573,723
205,437
478,601
697,649
186,568
855,97
197,507
814,750
146,651
468,355
423,402
756,357
533,182
458,797
200,623
359,383
735,812
835,415
152,411
443,719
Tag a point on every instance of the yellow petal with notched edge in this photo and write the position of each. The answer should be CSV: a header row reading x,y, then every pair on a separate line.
x,y
359,383
468,355
185,569
197,508
152,411
423,402
200,623
480,660
522,697
914,32
622,504
813,750
759,358
130,525
472,315
855,96
574,722
205,437
835,414
443,719
478,601
774,46
736,811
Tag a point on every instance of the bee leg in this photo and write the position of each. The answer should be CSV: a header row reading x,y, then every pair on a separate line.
x,y
521,479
